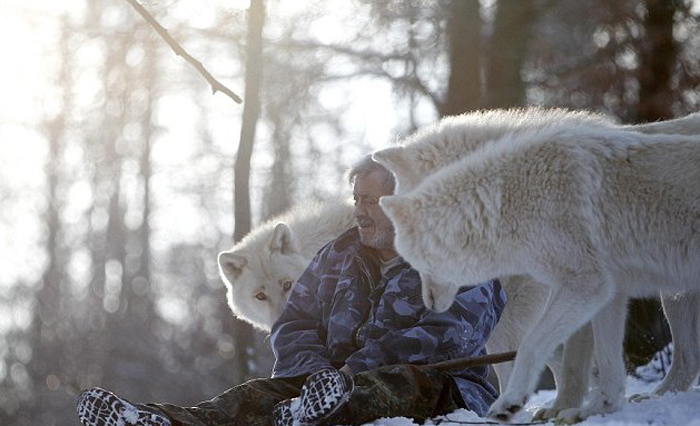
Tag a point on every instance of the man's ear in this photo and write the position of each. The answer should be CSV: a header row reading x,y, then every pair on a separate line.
x,y
282,240
231,264
397,208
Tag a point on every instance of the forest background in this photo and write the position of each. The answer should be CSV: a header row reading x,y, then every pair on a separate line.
x,y
118,165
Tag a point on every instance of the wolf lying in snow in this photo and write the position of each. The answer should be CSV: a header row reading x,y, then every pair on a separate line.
x,y
260,270
597,213
433,147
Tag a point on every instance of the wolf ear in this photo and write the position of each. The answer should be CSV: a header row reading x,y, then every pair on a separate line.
x,y
397,161
282,240
397,208
231,264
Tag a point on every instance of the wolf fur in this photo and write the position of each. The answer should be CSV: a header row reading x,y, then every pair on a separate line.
x,y
261,269
596,212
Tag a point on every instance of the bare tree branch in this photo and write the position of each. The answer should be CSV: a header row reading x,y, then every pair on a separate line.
x,y
413,82
374,62
368,55
216,86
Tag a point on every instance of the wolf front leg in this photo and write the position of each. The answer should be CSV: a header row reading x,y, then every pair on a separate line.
x,y
526,301
569,308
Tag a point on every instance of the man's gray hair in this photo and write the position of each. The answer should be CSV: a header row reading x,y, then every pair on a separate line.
x,y
367,165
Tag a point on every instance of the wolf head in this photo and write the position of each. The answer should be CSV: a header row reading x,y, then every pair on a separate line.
x,y
259,275
260,270
447,243
418,247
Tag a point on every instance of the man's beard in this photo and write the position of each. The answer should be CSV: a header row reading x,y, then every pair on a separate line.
x,y
383,238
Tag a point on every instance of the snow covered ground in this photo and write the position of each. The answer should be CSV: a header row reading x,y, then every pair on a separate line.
x,y
681,409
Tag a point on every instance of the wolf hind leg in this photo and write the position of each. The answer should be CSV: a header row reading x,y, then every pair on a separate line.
x,y
683,315
572,374
608,334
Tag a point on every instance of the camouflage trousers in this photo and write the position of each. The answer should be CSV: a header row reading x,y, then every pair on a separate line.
x,y
402,390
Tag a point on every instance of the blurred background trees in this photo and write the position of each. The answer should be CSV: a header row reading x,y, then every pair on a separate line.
x,y
117,164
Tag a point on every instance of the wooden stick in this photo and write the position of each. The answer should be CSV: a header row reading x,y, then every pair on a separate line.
x,y
180,51
454,364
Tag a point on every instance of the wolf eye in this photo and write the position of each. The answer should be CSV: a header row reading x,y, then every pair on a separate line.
x,y
261,296
287,285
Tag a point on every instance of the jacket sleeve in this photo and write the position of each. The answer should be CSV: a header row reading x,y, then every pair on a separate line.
x,y
298,337
405,331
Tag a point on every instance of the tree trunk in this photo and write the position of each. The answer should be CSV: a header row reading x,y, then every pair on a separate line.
x,y
243,333
658,53
512,32
464,33
49,328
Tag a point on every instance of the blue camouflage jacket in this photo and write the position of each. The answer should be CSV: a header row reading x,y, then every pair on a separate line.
x,y
347,308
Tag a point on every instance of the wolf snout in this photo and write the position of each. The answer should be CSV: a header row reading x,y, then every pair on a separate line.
x,y
432,299
428,298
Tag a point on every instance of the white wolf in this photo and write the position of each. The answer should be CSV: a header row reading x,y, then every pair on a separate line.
x,y
433,147
596,213
260,270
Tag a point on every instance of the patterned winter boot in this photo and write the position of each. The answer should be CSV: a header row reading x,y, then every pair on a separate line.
x,y
98,407
322,395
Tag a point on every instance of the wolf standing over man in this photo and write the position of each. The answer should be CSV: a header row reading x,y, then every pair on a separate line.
x,y
350,342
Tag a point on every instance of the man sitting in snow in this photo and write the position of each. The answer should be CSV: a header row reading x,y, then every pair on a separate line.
x,y
350,343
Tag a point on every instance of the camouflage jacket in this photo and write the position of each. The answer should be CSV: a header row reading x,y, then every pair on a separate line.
x,y
348,309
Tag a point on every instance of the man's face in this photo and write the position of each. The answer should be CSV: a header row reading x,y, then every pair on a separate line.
x,y
376,230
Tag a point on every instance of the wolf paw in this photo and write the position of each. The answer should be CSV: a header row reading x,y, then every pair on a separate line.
x,y
599,405
503,410
557,412
596,407
545,414
570,416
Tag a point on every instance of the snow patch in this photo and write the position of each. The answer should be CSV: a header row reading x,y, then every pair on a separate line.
x,y
673,409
